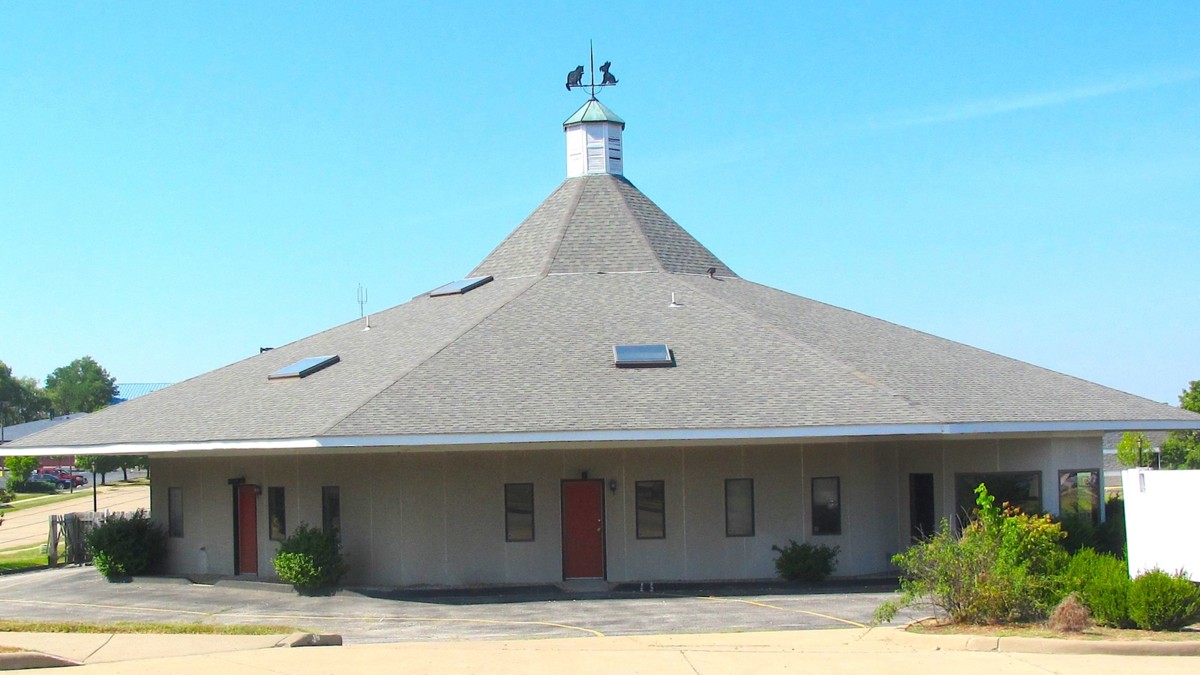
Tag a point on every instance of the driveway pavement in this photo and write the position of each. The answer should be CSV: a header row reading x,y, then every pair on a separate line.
x,y
80,594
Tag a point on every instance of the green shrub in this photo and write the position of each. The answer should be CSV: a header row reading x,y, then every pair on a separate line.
x,y
122,546
1080,532
1102,583
1110,535
806,562
1160,601
1005,567
311,560
33,486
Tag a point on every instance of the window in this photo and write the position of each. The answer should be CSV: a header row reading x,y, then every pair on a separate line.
x,y
175,512
1079,494
518,512
739,507
276,514
304,367
460,287
1022,489
651,509
827,505
642,356
331,509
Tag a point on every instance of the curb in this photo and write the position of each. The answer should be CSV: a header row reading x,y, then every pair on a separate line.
x,y
1028,645
23,660
310,640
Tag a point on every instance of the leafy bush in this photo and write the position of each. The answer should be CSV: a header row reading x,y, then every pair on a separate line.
x,y
1080,532
1004,567
1161,601
311,560
122,546
806,562
6,495
33,486
1102,583
1110,535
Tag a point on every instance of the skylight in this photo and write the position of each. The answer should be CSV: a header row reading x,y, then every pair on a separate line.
x,y
459,287
642,356
305,367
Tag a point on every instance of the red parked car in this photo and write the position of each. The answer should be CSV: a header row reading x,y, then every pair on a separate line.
x,y
63,474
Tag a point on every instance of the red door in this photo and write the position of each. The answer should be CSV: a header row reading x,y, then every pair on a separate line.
x,y
247,530
583,529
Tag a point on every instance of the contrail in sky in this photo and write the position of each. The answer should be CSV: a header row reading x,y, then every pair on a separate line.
x,y
1017,102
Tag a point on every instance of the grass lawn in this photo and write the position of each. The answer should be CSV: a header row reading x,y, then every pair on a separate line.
x,y
22,558
28,500
1039,630
10,626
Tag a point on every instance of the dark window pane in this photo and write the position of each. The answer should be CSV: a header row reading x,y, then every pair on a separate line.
x,y
651,509
331,509
175,512
276,516
518,512
739,507
1022,489
827,505
1079,494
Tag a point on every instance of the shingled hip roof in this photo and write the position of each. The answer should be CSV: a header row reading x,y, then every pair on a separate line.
x,y
528,358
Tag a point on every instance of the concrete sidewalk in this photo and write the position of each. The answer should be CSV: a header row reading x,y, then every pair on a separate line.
x,y
877,650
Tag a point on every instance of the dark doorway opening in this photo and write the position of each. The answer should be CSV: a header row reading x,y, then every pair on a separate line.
x,y
921,514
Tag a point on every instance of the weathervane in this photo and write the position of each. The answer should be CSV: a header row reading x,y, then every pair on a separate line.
x,y
575,77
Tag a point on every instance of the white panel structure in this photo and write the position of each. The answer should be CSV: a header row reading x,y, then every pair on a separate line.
x,y
1158,517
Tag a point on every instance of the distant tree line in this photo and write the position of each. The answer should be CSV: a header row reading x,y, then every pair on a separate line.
x,y
1180,450
82,386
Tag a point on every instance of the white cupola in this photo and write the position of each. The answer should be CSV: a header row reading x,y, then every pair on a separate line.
x,y
593,140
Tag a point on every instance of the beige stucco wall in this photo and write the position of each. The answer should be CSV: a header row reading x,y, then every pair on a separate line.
x,y
414,518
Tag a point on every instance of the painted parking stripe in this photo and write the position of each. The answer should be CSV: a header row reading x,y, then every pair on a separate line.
x,y
783,609
495,622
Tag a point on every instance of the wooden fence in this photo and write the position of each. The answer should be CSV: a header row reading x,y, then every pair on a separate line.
x,y
71,530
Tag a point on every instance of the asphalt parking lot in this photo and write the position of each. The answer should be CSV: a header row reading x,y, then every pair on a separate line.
x,y
81,594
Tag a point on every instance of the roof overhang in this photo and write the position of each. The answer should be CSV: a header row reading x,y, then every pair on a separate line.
x,y
612,438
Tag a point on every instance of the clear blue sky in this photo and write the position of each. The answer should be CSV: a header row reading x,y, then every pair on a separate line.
x,y
182,183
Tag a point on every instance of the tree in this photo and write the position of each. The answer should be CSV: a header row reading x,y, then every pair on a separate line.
x,y
1135,449
1181,450
127,462
99,464
21,399
81,386
19,469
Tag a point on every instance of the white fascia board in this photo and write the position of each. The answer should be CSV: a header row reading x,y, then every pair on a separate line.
x,y
434,441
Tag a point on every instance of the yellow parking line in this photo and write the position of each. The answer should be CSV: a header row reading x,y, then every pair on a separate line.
x,y
498,622
784,609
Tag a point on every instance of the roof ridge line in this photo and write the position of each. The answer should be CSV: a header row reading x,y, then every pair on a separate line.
x,y
564,224
641,230
859,375
453,338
